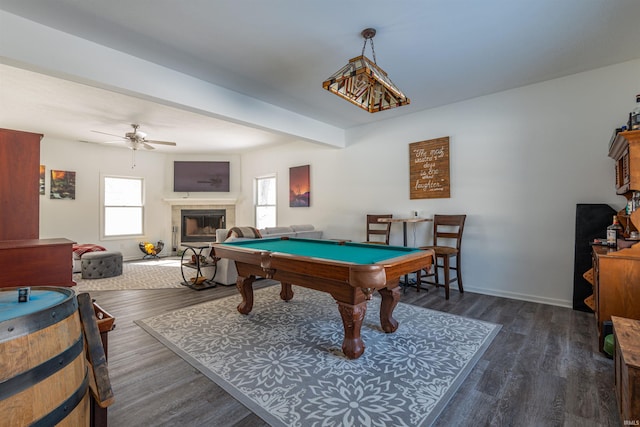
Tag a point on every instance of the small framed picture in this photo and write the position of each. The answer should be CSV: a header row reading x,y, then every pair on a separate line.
x,y
63,185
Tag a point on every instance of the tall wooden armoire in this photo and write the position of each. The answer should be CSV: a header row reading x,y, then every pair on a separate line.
x,y
25,259
19,185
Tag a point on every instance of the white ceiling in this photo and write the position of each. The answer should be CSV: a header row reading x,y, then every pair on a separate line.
x,y
279,51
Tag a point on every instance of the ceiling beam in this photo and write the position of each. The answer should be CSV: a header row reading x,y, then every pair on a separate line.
x,y
27,44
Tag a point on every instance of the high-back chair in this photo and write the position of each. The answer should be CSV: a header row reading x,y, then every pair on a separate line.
x,y
378,232
447,240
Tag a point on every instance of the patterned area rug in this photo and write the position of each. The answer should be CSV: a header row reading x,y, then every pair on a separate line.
x,y
284,360
159,273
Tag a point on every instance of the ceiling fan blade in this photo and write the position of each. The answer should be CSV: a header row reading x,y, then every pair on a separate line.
x,y
147,146
110,134
173,144
100,142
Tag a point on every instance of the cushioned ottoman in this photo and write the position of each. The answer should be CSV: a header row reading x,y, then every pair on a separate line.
x,y
98,265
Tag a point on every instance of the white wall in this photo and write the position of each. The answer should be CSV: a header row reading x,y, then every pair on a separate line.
x,y
79,219
520,162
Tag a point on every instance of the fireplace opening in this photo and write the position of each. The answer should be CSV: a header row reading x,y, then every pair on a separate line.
x,y
200,225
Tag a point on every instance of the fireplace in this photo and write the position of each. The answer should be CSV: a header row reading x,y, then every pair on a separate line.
x,y
200,225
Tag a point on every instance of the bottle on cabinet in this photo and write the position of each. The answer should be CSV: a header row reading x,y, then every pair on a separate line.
x,y
633,203
614,231
634,119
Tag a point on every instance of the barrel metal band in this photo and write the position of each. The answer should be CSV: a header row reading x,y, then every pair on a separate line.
x,y
61,412
27,379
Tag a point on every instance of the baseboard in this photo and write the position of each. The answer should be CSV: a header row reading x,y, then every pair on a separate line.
x,y
518,296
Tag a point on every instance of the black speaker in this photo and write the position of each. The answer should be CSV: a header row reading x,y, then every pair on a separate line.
x,y
592,220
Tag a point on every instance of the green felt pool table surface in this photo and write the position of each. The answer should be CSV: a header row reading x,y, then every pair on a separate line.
x,y
334,250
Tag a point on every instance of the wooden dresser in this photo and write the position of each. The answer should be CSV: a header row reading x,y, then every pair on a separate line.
x,y
26,260
616,284
627,369
615,275
36,262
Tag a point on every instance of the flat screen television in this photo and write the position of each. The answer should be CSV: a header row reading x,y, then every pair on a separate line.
x,y
200,176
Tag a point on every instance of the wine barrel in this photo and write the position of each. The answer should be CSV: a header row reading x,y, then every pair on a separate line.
x,y
43,370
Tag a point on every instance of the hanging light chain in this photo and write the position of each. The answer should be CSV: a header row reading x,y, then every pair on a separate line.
x,y
368,34
373,51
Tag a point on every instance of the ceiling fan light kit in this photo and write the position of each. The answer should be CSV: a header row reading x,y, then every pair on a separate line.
x,y
363,83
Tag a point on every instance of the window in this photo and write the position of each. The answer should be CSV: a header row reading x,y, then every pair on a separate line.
x,y
123,206
266,201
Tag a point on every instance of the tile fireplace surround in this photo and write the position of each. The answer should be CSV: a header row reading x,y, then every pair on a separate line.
x,y
189,205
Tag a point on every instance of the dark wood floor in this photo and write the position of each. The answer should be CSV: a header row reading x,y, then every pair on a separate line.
x,y
543,369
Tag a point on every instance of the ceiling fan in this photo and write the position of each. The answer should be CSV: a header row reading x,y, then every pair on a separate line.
x,y
136,139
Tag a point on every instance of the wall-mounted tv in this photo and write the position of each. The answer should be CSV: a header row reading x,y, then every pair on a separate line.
x,y
200,176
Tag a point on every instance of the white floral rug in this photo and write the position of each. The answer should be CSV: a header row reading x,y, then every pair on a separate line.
x,y
284,360
158,273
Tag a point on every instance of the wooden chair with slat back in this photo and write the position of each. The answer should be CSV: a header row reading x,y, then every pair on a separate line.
x,y
378,232
446,229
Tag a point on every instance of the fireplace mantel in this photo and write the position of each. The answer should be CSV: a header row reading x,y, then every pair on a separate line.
x,y
199,201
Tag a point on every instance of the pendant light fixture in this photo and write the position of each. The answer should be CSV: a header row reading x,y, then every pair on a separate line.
x,y
364,84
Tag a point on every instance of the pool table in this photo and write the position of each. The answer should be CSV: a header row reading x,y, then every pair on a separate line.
x,y
350,272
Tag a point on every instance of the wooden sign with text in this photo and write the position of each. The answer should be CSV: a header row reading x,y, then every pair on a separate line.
x,y
429,169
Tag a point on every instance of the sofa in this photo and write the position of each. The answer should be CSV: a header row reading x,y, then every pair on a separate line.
x,y
303,231
226,273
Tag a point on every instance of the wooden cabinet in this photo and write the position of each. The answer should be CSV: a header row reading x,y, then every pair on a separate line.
x,y
19,185
36,262
616,273
625,150
24,259
627,369
616,287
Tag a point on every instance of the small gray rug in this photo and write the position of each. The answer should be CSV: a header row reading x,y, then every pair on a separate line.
x,y
284,360
159,273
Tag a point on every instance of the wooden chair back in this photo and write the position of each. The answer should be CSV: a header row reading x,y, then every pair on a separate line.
x,y
378,232
447,228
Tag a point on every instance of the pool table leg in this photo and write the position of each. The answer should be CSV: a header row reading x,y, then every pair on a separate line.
x,y
352,317
390,298
245,286
286,293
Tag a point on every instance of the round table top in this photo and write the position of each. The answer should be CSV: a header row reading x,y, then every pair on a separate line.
x,y
413,219
39,299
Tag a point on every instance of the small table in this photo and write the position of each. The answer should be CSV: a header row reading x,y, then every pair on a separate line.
x,y
404,222
197,262
350,272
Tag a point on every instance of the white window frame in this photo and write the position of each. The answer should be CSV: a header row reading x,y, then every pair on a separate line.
x,y
103,207
256,199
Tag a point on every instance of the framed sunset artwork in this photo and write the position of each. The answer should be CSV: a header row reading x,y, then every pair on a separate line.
x,y
299,187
